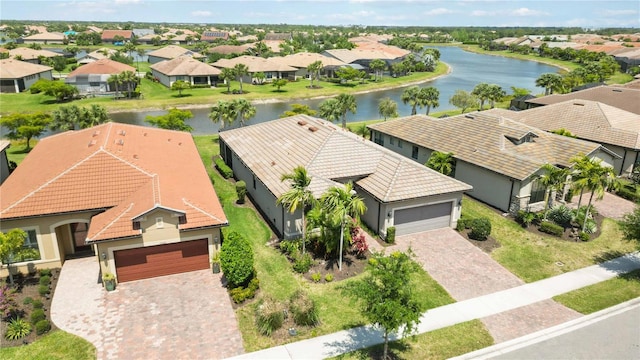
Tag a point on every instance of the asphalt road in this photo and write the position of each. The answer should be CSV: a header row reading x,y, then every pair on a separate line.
x,y
616,337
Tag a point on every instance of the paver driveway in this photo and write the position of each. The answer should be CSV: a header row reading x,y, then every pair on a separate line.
x,y
466,272
183,316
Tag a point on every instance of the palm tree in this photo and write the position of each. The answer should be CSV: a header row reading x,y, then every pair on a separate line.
x,y
496,93
429,97
599,179
141,53
244,109
549,82
482,92
346,102
97,115
298,195
377,65
342,203
128,77
240,70
116,80
314,70
581,166
224,113
441,162
387,108
330,110
227,75
552,179
410,96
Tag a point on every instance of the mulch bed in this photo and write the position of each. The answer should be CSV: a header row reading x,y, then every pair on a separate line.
x,y
352,265
27,286
485,245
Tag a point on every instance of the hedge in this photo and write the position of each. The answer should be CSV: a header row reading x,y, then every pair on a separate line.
x,y
480,228
628,194
551,228
391,235
224,169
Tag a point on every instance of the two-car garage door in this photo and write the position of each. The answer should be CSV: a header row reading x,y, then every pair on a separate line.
x,y
159,260
422,218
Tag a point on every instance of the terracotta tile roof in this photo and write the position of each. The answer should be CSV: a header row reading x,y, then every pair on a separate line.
x,y
586,119
303,59
110,34
173,51
16,69
124,169
274,148
103,66
255,64
623,98
488,141
31,54
185,65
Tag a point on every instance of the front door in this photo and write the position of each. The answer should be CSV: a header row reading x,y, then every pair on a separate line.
x,y
79,235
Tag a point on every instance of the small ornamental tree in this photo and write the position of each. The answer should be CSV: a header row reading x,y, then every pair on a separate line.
x,y
10,247
386,297
173,120
236,259
631,225
180,85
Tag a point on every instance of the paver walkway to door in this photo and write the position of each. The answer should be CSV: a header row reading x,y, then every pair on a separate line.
x,y
182,316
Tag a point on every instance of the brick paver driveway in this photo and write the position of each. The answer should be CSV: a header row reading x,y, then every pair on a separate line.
x,y
183,316
466,272
611,206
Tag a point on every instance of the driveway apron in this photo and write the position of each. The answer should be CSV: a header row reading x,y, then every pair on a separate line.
x,y
182,316
467,272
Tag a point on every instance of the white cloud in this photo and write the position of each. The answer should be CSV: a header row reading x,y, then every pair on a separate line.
x,y
527,12
483,13
201,13
438,11
619,12
91,7
124,2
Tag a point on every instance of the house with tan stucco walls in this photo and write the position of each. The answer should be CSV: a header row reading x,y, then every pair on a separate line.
x,y
138,199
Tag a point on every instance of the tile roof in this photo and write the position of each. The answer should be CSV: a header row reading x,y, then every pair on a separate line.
x,y
52,36
392,52
229,49
349,56
185,65
214,35
173,51
589,120
123,169
110,34
622,98
31,54
276,147
103,66
16,69
255,64
303,59
488,141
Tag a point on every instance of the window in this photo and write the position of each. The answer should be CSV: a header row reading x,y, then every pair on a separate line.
x,y
537,192
254,183
378,138
94,84
392,140
414,152
400,143
159,223
30,250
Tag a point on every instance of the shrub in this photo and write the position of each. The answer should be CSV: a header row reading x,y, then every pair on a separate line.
x,y
569,195
269,316
561,215
241,191
584,236
45,280
303,309
551,228
223,168
460,225
17,329
240,294
328,278
43,290
628,193
480,229
28,300
359,241
37,304
37,315
525,218
42,327
7,301
45,272
289,247
391,235
236,259
302,262
316,277
590,227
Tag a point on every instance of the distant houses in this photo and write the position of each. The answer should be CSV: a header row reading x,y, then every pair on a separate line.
x,y
172,52
94,77
185,68
17,76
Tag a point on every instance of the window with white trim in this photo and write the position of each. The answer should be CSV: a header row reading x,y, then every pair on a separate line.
x,y
159,223
30,250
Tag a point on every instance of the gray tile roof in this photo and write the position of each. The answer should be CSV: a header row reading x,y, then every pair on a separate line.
x,y
488,141
16,69
620,97
590,120
330,153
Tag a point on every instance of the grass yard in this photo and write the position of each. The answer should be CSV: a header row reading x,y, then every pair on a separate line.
x,y
603,295
277,277
533,257
57,345
439,344
17,151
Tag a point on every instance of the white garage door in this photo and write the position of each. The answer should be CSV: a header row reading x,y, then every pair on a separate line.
x,y
422,218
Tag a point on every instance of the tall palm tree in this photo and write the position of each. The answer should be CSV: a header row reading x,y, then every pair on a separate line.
x,y
224,113
330,110
581,165
141,53
128,78
387,108
429,97
116,80
378,66
441,162
549,82
552,179
314,70
298,196
97,115
410,96
346,102
496,93
227,75
240,70
600,178
244,109
343,204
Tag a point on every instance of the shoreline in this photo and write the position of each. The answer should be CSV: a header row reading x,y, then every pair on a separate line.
x,y
293,99
468,48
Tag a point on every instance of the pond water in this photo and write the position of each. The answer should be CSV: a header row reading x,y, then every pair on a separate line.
x,y
467,70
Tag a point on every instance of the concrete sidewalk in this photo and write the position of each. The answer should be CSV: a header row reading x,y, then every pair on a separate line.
x,y
349,340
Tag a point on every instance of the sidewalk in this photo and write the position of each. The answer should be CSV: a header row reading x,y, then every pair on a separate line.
x,y
349,340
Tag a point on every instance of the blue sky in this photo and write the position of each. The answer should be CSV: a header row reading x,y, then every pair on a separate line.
x,y
580,13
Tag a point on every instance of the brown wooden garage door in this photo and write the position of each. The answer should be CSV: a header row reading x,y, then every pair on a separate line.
x,y
159,260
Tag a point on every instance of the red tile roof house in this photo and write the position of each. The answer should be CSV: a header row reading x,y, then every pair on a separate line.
x,y
17,76
108,36
137,198
94,77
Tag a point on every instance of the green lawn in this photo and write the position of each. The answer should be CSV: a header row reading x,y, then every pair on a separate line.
x,y
533,257
57,345
603,295
18,150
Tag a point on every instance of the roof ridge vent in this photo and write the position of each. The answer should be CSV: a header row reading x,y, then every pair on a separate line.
x,y
119,142
122,132
302,122
469,117
313,128
578,104
96,133
92,142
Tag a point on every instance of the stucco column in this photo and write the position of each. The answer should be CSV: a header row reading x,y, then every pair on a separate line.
x,y
15,85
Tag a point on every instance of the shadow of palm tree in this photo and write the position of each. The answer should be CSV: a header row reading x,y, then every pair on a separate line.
x,y
366,342
618,262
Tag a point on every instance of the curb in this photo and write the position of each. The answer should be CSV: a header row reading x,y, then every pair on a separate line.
x,y
542,335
